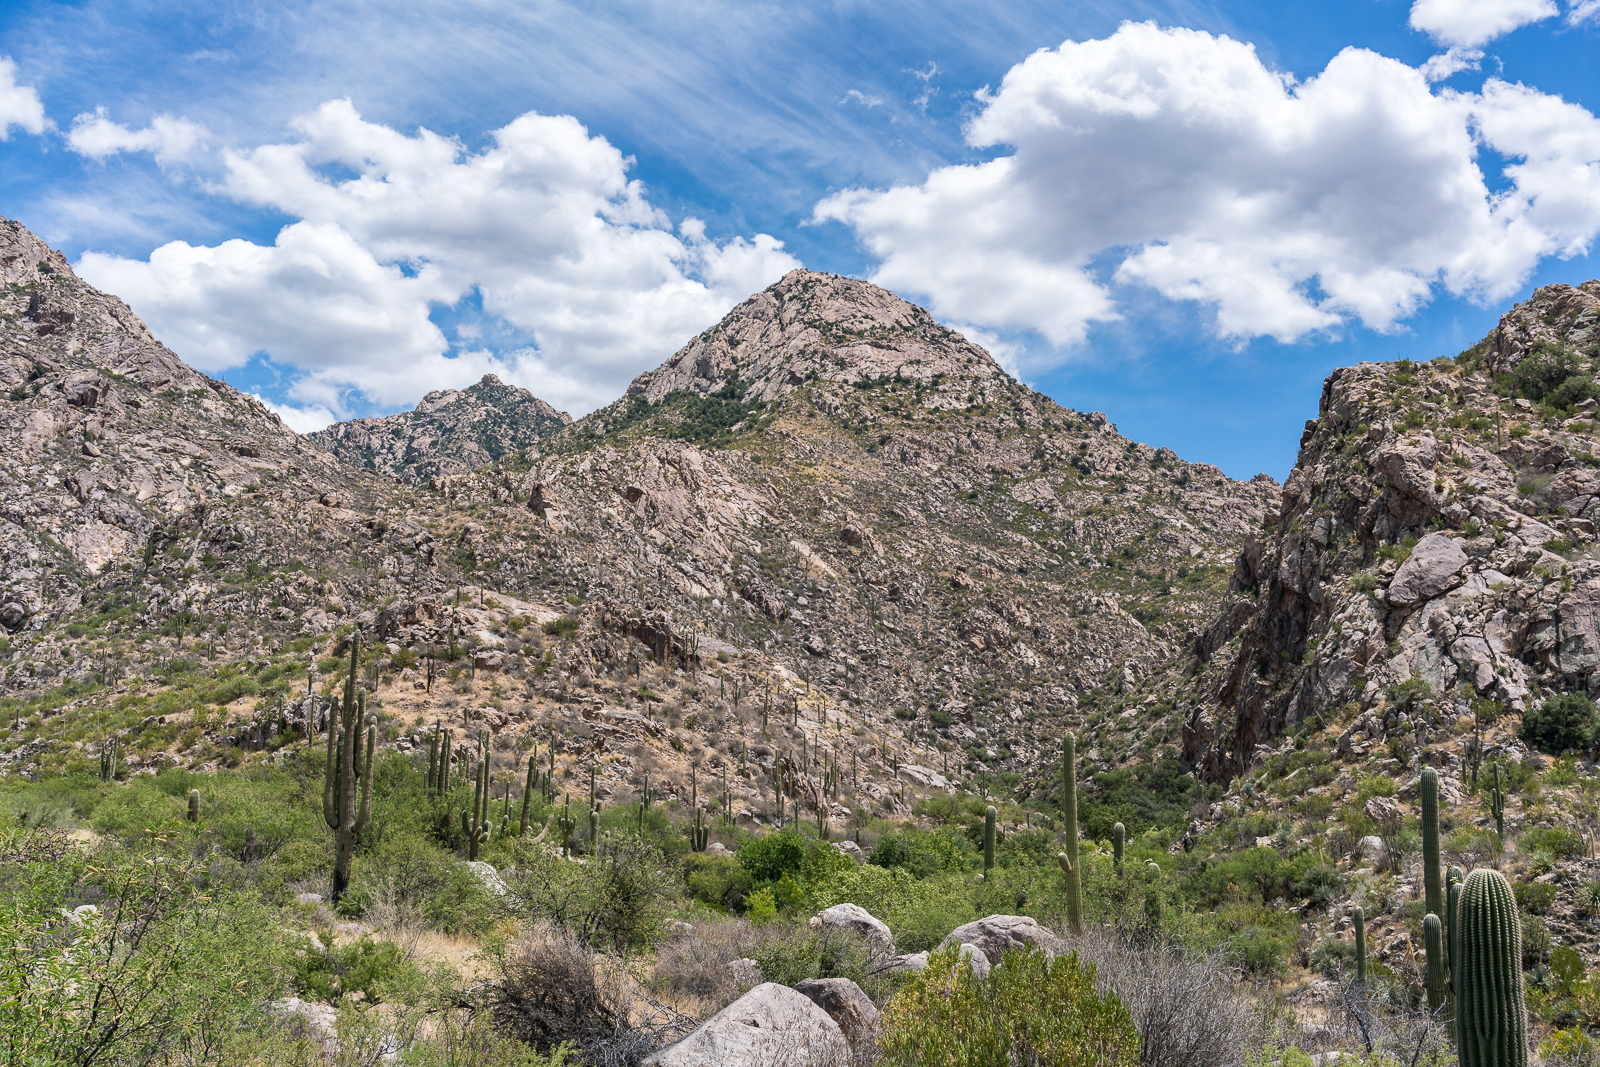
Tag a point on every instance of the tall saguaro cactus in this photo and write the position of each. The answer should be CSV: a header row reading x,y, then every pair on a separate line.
x,y
475,825
1069,859
1432,873
1491,1020
1433,945
344,770
527,793
988,840
1360,920
1497,805
1119,839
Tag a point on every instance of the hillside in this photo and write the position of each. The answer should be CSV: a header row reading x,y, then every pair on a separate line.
x,y
449,432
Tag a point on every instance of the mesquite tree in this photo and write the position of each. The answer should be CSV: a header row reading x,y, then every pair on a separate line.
x,y
344,770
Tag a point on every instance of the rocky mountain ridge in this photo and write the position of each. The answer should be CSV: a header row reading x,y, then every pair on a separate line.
x,y
1434,545
450,431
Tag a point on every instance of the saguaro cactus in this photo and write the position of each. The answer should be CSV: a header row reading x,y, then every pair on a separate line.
x,y
1491,1021
1433,945
1069,812
699,832
110,753
194,806
988,840
1119,838
1432,873
475,824
344,769
527,794
1360,919
566,824
1497,805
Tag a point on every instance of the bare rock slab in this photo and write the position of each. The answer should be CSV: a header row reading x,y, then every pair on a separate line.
x,y
856,920
1427,571
771,1024
846,1004
996,933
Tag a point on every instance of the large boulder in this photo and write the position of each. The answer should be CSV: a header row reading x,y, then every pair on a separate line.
x,y
847,1005
918,961
993,935
1427,571
856,920
770,1024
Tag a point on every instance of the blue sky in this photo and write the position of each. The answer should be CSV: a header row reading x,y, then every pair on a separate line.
x,y
1182,214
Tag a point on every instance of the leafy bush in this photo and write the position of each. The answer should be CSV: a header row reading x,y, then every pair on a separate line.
x,y
1558,840
717,880
1535,898
613,900
769,858
920,852
1028,1011
376,969
1561,722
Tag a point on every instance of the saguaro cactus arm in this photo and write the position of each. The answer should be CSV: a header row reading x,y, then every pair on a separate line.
x,y
1491,1019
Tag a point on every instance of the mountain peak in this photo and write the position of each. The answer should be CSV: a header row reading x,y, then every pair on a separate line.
x,y
810,325
450,431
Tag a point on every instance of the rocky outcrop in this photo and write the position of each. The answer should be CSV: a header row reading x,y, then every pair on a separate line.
x,y
1430,544
846,1004
770,1024
450,432
854,919
993,935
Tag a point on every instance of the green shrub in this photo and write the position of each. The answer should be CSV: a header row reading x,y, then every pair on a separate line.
x,y
565,626
376,969
769,858
1029,1010
1535,898
1557,840
921,852
1561,722
718,880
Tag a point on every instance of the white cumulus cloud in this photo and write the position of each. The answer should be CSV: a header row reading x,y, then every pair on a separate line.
x,y
543,225
170,140
19,104
1175,159
1474,23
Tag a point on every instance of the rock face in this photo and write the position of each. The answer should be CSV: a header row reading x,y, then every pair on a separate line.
x,y
854,919
847,1005
996,933
770,1024
1498,592
450,432
1427,571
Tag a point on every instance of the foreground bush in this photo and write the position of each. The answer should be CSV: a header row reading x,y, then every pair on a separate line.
x,y
1029,1011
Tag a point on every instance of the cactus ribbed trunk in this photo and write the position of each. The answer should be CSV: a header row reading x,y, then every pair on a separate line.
x,y
344,813
1491,1019
1069,859
1119,839
1360,919
988,841
1433,945
527,795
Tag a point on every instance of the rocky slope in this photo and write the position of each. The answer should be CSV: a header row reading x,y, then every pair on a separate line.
x,y
449,432
828,526
1438,530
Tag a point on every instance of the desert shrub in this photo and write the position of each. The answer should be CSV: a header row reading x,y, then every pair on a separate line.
x,y
1560,841
1536,941
718,880
1535,898
797,952
771,857
1569,1048
1562,722
921,852
1030,1010
549,991
618,899
1185,1004
376,969
410,879
158,971
920,912
695,962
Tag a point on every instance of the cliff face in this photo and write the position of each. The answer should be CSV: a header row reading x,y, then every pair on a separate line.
x,y
450,431
1434,544
112,449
